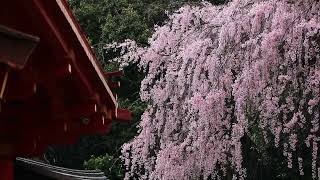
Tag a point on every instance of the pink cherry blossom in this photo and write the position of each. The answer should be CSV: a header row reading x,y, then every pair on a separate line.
x,y
209,70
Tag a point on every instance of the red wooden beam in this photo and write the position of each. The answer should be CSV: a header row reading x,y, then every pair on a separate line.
x,y
64,70
114,85
84,59
6,169
113,74
7,149
34,139
20,85
65,133
68,54
98,124
50,23
29,147
16,47
123,115
20,112
82,109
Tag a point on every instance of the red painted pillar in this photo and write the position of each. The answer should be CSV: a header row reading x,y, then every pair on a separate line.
x,y
6,169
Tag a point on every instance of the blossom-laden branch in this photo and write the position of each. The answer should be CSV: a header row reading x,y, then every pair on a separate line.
x,y
211,67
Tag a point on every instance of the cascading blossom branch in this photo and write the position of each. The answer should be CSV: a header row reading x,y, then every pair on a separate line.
x,y
210,70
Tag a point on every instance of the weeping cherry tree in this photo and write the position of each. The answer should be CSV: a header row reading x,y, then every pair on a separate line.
x,y
215,72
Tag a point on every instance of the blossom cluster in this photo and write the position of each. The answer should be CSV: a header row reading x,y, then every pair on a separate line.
x,y
209,70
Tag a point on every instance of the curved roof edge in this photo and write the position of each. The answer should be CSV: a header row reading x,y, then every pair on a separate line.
x,y
56,172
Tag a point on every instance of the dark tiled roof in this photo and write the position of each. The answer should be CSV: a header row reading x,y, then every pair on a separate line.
x,y
59,173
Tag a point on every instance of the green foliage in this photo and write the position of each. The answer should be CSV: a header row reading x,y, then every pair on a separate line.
x,y
127,25
110,165
106,21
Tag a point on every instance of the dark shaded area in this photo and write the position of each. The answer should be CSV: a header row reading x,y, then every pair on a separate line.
x,y
23,174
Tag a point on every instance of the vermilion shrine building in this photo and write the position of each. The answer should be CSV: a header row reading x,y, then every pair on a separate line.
x,y
52,89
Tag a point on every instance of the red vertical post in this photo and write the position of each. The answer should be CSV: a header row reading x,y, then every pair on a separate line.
x,y
6,169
